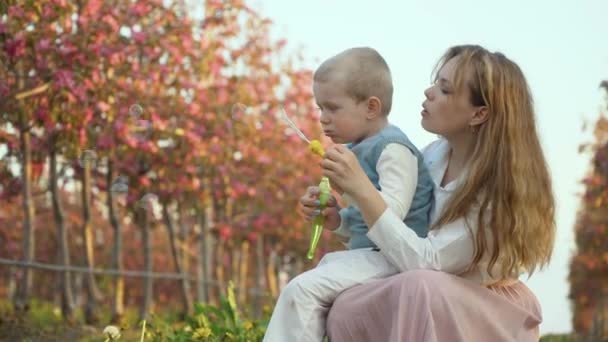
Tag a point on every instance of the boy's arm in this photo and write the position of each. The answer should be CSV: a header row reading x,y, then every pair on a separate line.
x,y
398,177
343,229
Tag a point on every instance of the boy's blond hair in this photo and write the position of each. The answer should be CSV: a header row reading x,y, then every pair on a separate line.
x,y
364,74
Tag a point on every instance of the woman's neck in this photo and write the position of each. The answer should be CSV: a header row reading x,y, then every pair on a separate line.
x,y
460,153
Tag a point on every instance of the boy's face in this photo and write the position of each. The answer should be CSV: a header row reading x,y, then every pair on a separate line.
x,y
342,118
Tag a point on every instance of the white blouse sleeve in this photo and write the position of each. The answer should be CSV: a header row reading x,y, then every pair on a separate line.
x,y
449,249
397,176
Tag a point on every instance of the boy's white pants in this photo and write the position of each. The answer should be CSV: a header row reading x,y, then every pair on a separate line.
x,y
303,304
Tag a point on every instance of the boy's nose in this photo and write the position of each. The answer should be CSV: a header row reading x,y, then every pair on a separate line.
x,y
324,119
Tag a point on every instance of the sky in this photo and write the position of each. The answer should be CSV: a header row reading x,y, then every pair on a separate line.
x,y
558,44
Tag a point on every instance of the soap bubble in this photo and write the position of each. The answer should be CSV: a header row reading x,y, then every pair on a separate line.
x,y
120,185
87,157
238,110
147,201
136,110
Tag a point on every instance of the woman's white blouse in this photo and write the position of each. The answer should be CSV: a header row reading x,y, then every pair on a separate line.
x,y
448,249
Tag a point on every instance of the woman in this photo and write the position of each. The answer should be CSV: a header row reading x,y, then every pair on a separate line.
x,y
493,218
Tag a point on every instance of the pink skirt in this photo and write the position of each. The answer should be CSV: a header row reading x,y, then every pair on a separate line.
x,y
430,306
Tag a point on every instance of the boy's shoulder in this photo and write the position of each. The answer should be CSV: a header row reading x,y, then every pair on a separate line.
x,y
395,134
393,131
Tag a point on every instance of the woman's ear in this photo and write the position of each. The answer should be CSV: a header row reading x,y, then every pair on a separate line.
x,y
480,116
374,107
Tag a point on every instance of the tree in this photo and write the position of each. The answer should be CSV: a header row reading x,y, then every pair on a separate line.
x,y
18,60
589,266
138,100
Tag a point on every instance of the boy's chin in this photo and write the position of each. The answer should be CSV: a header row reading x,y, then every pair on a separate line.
x,y
337,141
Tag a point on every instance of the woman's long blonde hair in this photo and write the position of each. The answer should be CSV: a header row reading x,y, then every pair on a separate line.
x,y
508,176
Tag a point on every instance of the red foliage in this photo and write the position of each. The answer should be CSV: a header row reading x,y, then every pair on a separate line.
x,y
589,267
208,135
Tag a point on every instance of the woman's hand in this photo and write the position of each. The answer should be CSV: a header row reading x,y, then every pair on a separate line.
x,y
309,208
344,171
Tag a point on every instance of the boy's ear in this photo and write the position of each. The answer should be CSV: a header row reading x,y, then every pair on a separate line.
x,y
374,107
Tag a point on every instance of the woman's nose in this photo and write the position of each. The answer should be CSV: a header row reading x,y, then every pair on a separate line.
x,y
428,92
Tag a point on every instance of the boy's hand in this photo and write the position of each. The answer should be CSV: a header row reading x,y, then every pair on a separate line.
x,y
309,208
344,171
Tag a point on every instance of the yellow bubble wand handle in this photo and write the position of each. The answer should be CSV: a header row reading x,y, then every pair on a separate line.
x,y
324,191
319,220
316,148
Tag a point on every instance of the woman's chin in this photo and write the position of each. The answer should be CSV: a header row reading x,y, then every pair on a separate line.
x,y
424,122
426,125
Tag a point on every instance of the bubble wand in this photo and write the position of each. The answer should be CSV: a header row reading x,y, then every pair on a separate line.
x,y
324,188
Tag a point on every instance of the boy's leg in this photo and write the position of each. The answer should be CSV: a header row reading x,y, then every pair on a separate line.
x,y
301,310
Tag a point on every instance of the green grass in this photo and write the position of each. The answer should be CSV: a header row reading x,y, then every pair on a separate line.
x,y
557,338
224,322
43,322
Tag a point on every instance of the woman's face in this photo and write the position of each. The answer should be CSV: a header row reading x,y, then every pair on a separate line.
x,y
448,111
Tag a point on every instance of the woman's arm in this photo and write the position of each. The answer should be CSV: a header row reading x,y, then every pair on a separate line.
x,y
448,249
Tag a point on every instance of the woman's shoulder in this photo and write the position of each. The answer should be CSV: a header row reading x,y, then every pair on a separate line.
x,y
435,149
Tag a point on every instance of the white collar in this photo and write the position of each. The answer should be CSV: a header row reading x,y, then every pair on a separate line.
x,y
436,158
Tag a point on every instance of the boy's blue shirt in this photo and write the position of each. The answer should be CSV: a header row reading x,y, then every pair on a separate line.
x,y
368,152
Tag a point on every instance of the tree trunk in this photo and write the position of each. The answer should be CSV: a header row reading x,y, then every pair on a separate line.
x,y
183,251
12,283
299,266
261,278
219,265
90,286
118,307
271,273
65,280
147,247
21,301
244,268
205,258
201,270
182,241
186,297
235,261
